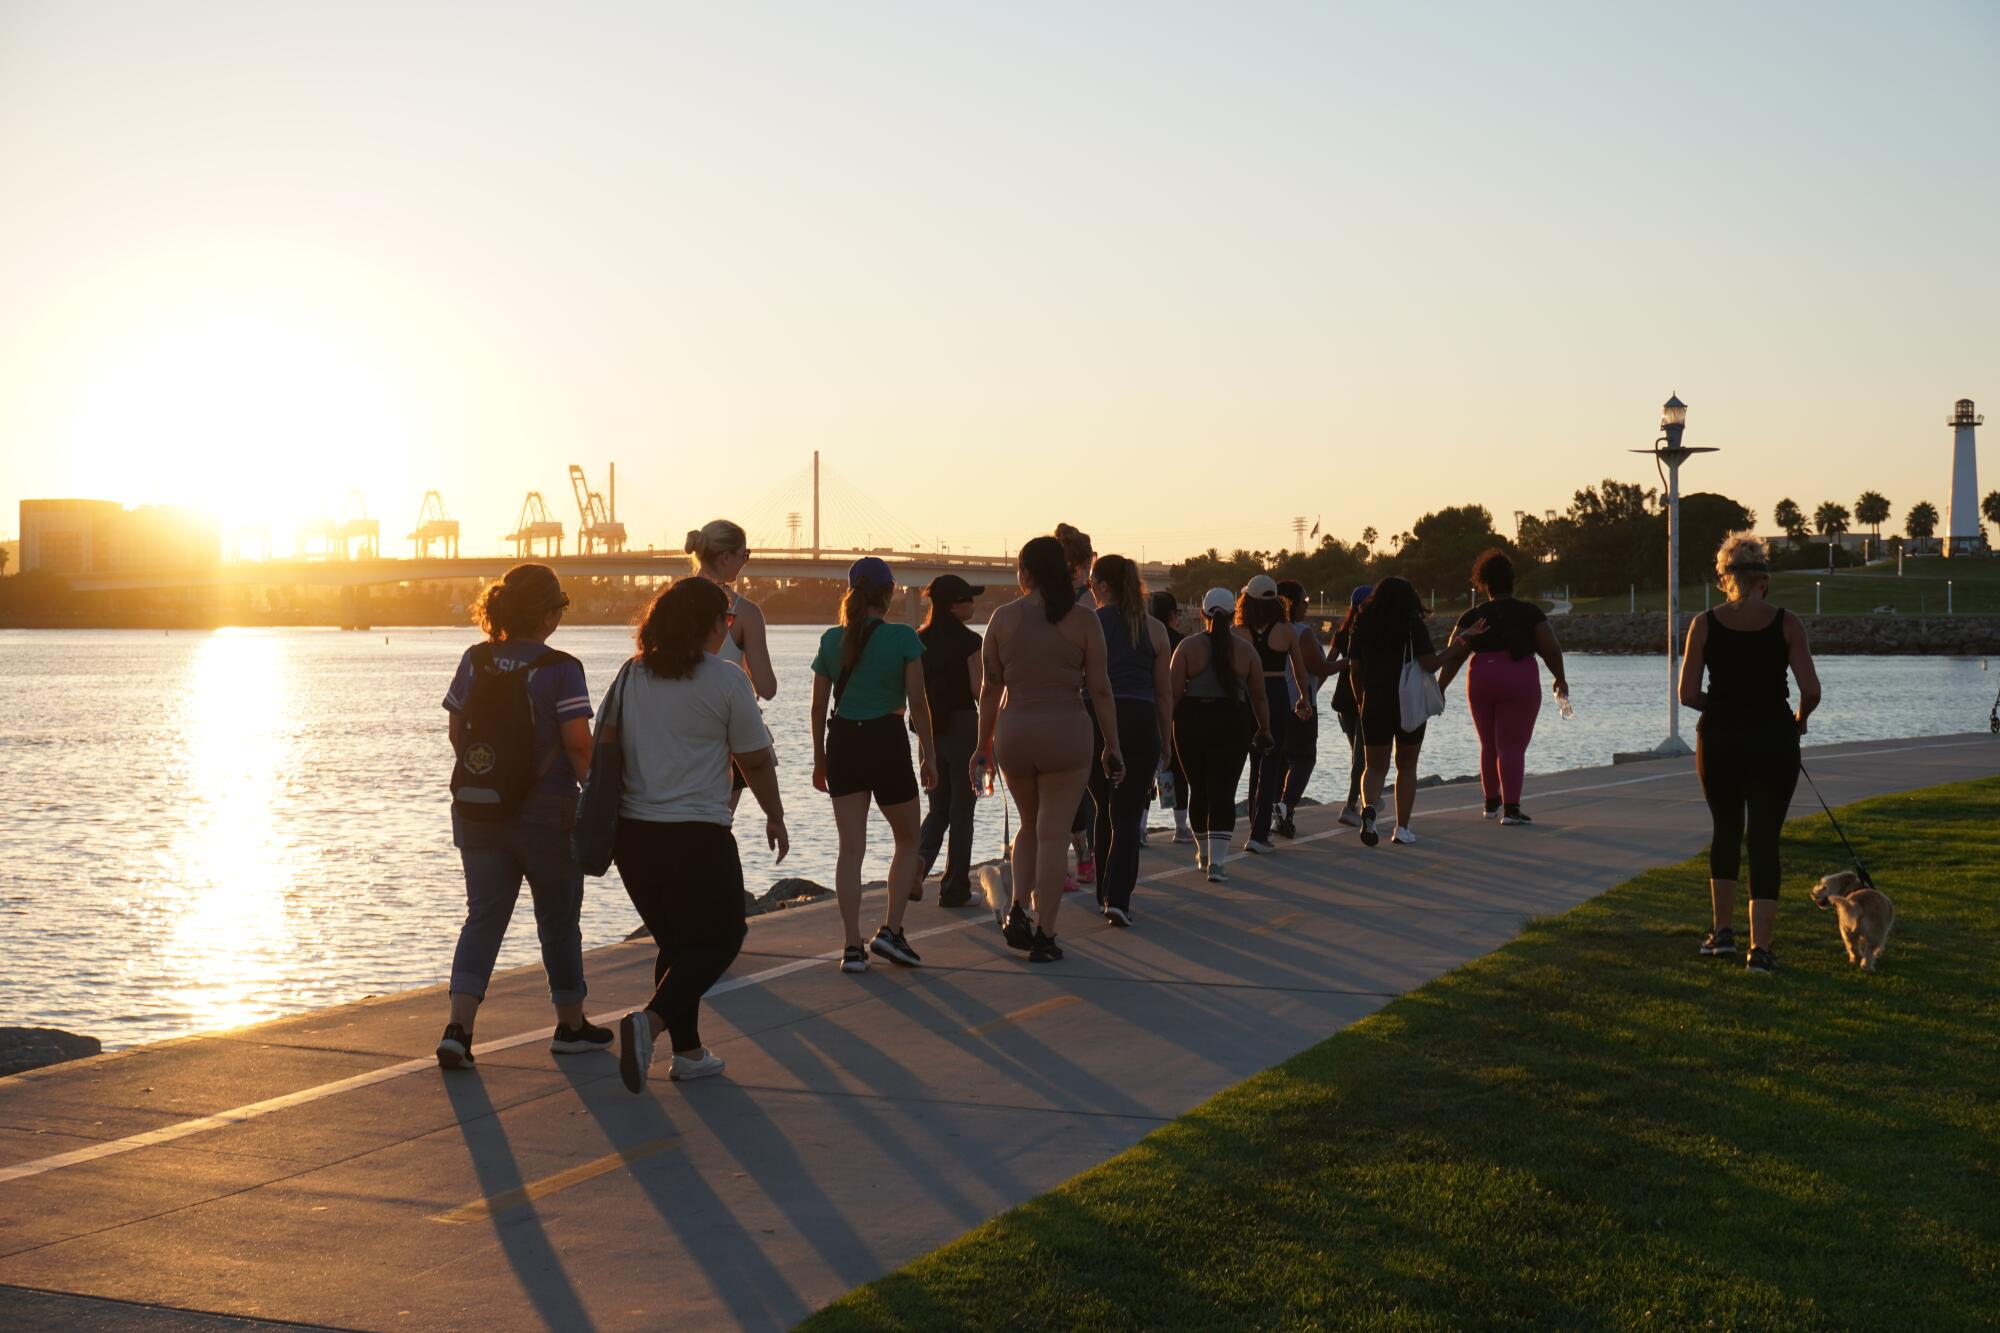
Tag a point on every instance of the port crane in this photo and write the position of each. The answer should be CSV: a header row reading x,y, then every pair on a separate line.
x,y
356,525
598,529
433,525
535,524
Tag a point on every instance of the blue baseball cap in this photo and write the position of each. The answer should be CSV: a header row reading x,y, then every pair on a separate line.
x,y
871,571
1360,594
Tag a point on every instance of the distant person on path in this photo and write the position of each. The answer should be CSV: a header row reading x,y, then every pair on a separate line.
x,y
1260,614
1043,652
1389,632
1167,611
870,671
1078,554
1302,688
520,731
951,685
1344,707
1747,742
1135,658
1217,687
719,550
684,720
1503,687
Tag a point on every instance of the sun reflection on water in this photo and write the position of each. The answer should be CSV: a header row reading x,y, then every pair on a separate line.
x,y
231,868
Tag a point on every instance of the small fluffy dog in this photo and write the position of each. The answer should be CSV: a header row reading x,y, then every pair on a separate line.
x,y
1866,916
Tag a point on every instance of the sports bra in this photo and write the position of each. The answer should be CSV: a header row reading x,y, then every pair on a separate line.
x,y
732,651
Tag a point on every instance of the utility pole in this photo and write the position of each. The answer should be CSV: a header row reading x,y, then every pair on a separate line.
x,y
815,504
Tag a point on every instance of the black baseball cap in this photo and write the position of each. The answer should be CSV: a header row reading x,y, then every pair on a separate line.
x,y
950,589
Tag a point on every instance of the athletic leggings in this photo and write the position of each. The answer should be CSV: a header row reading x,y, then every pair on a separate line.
x,y
1212,738
1753,766
1043,750
686,881
1121,810
1267,771
1504,696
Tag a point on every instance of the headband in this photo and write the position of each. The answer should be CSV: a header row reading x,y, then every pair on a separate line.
x,y
1748,567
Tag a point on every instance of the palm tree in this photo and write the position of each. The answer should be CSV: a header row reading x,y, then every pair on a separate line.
x,y
1791,519
1830,519
1990,507
1368,536
1921,521
1873,509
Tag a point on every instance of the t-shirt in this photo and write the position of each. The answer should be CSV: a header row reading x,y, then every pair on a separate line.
x,y
556,693
876,687
1381,672
1510,626
947,680
677,736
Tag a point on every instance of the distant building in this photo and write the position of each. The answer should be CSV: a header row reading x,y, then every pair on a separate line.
x,y
77,537
1963,530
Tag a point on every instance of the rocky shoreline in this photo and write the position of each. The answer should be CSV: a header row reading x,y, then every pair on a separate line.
x,y
22,1049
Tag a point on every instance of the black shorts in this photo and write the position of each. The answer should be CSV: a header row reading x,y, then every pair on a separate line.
x,y
871,756
1382,723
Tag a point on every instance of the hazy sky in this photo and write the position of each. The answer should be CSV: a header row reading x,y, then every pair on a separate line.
x,y
1173,272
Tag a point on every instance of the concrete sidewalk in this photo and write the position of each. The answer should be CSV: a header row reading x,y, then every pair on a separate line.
x,y
321,1169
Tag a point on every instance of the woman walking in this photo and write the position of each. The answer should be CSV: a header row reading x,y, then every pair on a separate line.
x,y
1309,668
1136,657
1260,612
1345,710
1217,687
520,729
1167,611
1389,632
719,550
1078,554
684,718
1503,688
1747,742
951,687
870,671
1042,652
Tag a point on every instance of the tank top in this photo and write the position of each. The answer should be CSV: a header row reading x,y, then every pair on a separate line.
x,y
1205,684
1039,666
1130,665
1746,673
732,651
1273,658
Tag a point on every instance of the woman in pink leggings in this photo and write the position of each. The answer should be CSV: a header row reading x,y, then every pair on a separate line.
x,y
1503,687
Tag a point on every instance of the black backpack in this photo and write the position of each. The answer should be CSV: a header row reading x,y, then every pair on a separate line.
x,y
497,765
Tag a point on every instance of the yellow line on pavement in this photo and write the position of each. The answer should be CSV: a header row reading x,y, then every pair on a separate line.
x,y
481,1209
1022,1015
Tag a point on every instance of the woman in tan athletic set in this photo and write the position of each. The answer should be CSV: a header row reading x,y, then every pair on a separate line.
x,y
1042,651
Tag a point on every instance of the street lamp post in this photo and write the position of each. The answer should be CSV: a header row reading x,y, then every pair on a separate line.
x,y
1673,421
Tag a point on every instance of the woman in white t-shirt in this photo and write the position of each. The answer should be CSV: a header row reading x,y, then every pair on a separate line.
x,y
681,716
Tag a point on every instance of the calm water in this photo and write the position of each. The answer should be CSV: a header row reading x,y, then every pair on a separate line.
x,y
205,830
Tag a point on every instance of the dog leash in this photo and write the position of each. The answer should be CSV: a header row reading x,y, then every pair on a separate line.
x,y
1867,882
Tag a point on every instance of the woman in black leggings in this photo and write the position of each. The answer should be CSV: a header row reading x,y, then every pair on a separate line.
x,y
1217,687
1747,743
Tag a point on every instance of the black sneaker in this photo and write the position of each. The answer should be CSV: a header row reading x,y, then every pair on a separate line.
x,y
854,958
891,945
1044,950
635,1051
1760,960
586,1036
954,898
1117,916
1513,815
1369,837
1020,931
1283,825
455,1048
1492,807
1718,943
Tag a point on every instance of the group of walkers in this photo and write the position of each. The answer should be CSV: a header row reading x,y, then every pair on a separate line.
x,y
1084,696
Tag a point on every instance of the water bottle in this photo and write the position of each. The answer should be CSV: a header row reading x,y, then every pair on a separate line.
x,y
982,777
1564,707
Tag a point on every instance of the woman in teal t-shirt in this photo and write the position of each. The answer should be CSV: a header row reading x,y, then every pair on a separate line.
x,y
868,669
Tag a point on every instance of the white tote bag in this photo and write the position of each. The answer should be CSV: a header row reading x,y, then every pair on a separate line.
x,y
1417,694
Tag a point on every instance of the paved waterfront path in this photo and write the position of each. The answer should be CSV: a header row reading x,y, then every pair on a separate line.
x,y
321,1169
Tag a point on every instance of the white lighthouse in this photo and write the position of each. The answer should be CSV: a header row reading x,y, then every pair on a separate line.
x,y
1962,518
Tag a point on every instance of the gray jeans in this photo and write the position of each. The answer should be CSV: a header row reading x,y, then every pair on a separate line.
x,y
535,844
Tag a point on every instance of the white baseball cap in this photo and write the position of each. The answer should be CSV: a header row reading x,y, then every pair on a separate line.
x,y
1218,601
1262,587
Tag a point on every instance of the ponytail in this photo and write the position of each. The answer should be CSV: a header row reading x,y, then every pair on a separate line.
x,y
855,605
713,540
514,607
1222,651
1047,572
1121,576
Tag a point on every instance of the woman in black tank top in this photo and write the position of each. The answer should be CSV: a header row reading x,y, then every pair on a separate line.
x,y
1747,743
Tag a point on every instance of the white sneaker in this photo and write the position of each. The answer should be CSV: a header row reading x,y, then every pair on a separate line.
x,y
1350,817
635,1049
686,1068
1402,835
1261,848
1183,834
1217,875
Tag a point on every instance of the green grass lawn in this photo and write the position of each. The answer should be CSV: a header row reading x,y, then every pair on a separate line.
x,y
1591,1127
1919,591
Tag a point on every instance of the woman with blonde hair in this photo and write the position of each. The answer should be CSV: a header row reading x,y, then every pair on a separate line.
x,y
1136,656
1747,742
719,550
870,671
1042,653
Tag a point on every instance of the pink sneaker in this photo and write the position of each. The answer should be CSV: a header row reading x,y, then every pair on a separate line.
x,y
1086,871
1069,883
